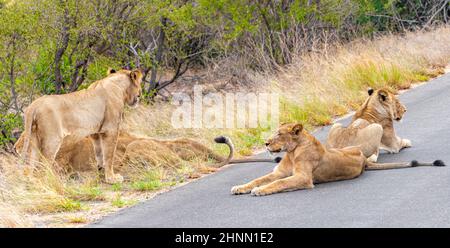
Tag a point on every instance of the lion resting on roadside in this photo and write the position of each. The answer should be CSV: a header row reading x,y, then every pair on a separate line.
x,y
307,162
372,126
80,156
95,112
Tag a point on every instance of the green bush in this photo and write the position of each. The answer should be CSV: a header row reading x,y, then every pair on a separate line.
x,y
8,123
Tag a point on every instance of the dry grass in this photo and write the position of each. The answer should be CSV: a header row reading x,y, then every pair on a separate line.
x,y
323,85
39,191
315,88
44,197
319,86
11,217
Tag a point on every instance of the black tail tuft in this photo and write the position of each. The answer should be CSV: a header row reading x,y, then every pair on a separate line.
x,y
220,139
414,163
438,163
277,159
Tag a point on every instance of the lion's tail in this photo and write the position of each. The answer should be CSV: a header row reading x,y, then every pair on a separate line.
x,y
28,131
230,160
388,166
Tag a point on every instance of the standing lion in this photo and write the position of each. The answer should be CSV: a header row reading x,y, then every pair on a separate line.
x,y
95,112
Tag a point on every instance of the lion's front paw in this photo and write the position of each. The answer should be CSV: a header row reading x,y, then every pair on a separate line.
x,y
373,158
259,191
116,178
240,189
406,143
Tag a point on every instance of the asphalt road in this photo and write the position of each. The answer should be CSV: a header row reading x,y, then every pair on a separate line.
x,y
413,197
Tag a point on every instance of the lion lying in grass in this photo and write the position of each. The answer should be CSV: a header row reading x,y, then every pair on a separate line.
x,y
80,156
307,162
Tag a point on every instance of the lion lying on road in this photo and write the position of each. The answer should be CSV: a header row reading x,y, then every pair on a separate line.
x,y
307,162
95,112
372,126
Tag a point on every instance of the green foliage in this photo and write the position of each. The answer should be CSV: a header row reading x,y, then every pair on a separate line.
x,y
8,122
117,187
150,180
67,205
369,74
119,202
58,46
147,185
86,193
42,69
313,112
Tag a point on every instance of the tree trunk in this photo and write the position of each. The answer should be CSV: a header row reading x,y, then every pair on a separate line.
x,y
12,76
59,83
158,58
77,78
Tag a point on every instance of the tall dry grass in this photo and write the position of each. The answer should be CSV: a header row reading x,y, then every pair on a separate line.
x,y
25,193
319,86
315,88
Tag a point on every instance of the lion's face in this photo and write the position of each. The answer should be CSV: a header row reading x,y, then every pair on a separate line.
x,y
390,103
134,90
399,109
285,139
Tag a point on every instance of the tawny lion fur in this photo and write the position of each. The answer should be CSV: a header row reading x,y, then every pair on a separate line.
x,y
132,149
372,126
308,162
80,156
95,112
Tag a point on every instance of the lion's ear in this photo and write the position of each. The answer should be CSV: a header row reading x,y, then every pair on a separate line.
x,y
383,95
297,128
370,91
111,71
136,76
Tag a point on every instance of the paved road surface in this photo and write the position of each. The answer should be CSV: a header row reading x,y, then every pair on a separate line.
x,y
415,197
